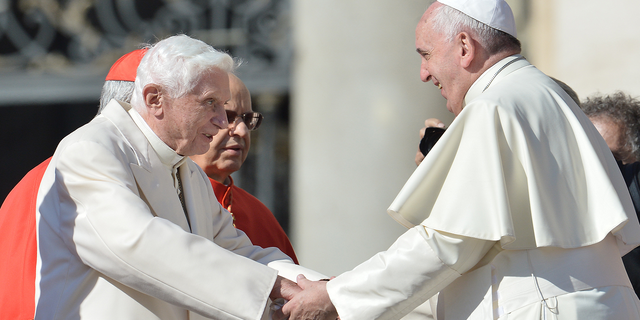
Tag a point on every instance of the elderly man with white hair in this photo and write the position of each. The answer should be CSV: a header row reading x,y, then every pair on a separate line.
x,y
128,226
518,212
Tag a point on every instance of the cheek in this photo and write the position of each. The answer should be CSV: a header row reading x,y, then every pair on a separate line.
x,y
200,123
247,144
218,142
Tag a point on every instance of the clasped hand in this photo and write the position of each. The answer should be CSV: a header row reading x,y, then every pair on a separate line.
x,y
308,300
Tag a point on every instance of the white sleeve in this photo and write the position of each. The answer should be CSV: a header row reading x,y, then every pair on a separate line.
x,y
290,270
458,252
418,265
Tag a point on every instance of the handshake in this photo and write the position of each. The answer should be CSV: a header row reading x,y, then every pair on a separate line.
x,y
306,300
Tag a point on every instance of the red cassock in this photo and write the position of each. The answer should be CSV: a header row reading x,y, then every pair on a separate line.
x,y
18,247
253,218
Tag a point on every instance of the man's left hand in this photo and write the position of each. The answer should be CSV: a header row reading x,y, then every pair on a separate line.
x,y
431,122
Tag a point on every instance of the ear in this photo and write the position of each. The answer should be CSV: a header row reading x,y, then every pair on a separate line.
x,y
467,48
153,99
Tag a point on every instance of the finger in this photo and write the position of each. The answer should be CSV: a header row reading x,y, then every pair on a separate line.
x,y
422,132
302,281
286,310
433,122
290,290
419,157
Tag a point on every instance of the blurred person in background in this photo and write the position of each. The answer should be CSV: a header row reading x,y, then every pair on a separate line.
x,y
617,118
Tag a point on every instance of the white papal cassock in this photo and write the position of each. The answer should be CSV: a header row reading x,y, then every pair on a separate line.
x,y
114,241
518,212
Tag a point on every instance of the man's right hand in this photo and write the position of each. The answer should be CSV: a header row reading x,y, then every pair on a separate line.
x,y
431,122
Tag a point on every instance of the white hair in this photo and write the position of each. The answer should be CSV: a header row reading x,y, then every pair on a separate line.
x,y
115,89
176,64
450,22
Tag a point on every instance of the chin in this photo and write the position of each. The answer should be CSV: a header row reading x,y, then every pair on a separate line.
x,y
451,110
455,109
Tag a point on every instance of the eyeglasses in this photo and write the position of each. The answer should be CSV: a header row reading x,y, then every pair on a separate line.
x,y
251,119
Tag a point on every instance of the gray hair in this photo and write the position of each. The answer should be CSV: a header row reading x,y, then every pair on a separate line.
x,y
176,64
115,89
450,22
621,109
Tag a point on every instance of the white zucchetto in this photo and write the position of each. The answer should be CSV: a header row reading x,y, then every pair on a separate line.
x,y
494,13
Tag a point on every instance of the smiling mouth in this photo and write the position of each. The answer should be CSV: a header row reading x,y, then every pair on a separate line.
x,y
439,86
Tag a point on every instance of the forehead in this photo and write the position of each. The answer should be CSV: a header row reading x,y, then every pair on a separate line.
x,y
606,123
425,34
213,83
240,97
610,130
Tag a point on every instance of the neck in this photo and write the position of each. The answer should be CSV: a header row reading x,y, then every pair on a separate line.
x,y
495,58
224,179
484,64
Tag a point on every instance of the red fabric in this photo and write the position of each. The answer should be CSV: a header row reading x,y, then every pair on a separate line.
x,y
125,68
253,217
18,250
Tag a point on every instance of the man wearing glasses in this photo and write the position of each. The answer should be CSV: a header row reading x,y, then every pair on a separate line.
x,y
229,150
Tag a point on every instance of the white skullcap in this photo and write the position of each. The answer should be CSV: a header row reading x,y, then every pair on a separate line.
x,y
494,13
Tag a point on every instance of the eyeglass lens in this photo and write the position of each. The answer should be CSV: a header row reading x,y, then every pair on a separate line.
x,y
251,119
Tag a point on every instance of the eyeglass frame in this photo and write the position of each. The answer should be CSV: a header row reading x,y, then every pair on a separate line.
x,y
244,117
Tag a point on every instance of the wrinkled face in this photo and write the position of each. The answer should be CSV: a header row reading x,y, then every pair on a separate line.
x,y
191,121
439,62
229,148
614,135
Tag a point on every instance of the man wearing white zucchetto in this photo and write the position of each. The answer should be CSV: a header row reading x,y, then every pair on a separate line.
x,y
518,212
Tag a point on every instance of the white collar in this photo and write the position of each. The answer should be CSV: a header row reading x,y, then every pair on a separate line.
x,y
168,156
493,75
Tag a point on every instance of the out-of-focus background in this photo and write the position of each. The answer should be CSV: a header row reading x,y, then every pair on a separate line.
x,y
337,80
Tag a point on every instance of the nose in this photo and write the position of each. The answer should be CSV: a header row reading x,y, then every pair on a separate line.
x,y
219,118
238,128
425,76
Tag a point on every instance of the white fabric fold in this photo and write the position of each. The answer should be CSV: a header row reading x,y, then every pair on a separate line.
x,y
521,171
290,270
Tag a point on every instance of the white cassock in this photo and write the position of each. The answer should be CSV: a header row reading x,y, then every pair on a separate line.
x,y
518,212
114,241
